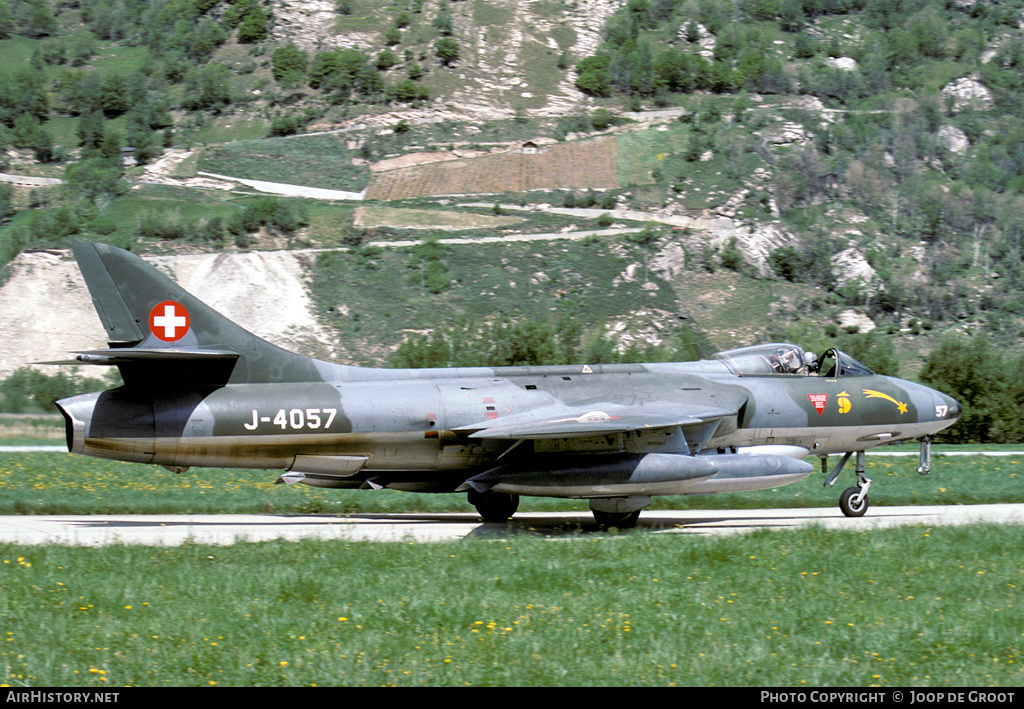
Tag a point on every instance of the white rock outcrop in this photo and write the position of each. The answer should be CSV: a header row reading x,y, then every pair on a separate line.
x,y
851,265
968,92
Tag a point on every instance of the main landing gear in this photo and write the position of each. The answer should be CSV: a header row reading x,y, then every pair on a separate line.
x,y
621,512
494,506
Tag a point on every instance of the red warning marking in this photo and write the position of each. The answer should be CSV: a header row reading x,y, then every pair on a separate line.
x,y
819,401
169,321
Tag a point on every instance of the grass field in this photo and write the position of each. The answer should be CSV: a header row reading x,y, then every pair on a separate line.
x,y
322,161
915,606
815,608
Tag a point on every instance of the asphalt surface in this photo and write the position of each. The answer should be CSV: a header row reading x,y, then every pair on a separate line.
x,y
172,530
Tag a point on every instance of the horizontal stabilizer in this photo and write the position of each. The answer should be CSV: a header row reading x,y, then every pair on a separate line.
x,y
138,354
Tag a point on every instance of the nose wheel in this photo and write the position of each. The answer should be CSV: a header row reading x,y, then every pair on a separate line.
x,y
854,500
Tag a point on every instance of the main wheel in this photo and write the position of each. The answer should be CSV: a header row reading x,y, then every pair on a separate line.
x,y
494,506
622,520
852,503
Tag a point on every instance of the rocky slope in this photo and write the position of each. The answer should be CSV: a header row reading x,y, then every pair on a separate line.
x,y
508,49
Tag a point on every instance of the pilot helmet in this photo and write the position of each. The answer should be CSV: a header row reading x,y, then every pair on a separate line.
x,y
810,360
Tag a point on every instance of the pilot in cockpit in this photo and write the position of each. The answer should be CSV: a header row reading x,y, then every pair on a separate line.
x,y
787,360
810,363
792,360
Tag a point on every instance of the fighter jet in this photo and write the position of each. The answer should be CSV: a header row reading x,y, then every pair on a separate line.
x,y
199,390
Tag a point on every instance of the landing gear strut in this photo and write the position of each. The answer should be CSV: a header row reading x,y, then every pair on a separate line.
x,y
854,500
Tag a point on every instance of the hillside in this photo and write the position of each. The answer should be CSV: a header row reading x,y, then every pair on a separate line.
x,y
750,170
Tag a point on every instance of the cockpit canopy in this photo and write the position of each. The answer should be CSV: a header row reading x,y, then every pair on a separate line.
x,y
784,358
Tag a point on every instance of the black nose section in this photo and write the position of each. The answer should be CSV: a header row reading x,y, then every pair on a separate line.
x,y
954,409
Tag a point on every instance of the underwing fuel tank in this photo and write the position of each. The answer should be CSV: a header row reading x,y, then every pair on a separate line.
x,y
649,474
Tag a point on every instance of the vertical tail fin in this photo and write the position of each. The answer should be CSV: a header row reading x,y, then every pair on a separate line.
x,y
162,335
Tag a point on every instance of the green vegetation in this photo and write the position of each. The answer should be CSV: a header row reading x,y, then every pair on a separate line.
x,y
988,385
29,390
811,608
487,283
882,151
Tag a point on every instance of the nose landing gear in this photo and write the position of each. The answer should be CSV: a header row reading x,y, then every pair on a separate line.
x,y
854,500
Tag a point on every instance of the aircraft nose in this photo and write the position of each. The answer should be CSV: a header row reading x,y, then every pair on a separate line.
x,y
954,408
946,407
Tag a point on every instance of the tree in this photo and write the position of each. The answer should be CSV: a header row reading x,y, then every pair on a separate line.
x,y
207,87
29,389
6,20
94,178
602,119
254,26
447,50
35,18
972,372
289,65
90,131
731,256
761,9
204,40
113,94
593,76
6,201
788,263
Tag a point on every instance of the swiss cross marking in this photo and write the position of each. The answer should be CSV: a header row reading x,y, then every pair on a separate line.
x,y
169,321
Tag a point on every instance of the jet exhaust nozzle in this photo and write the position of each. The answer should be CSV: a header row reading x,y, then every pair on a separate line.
x,y
76,410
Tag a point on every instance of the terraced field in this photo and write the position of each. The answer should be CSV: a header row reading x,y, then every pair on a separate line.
x,y
585,164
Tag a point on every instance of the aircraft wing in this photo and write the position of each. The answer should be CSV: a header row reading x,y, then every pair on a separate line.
x,y
565,422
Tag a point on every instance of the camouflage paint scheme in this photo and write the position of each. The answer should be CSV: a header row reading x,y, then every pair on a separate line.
x,y
200,390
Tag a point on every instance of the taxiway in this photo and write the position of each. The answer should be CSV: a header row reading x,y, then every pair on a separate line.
x,y
171,530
